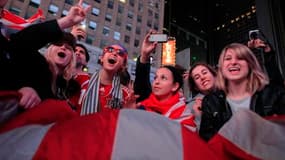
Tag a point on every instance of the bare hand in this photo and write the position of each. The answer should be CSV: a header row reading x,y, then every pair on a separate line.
x,y
78,32
29,98
130,100
147,47
75,15
258,43
197,106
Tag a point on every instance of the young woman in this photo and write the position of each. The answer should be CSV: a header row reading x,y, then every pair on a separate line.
x,y
163,95
165,98
201,78
242,85
105,91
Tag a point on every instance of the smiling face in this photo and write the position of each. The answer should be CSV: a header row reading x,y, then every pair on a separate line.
x,y
60,55
163,85
114,58
203,78
234,67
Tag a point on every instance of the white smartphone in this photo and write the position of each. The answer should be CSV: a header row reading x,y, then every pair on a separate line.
x,y
158,38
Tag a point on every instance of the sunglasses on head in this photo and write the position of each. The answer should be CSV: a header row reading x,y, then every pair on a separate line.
x,y
111,49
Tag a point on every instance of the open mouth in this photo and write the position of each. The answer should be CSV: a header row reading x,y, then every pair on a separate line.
x,y
112,61
61,54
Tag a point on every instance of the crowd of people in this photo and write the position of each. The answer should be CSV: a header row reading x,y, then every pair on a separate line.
x,y
54,87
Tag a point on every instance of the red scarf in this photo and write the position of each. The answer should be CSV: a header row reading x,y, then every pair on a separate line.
x,y
173,108
153,104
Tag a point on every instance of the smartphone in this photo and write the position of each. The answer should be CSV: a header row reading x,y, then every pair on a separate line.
x,y
254,34
158,38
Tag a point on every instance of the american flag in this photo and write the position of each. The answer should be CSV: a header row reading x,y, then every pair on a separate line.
x,y
11,23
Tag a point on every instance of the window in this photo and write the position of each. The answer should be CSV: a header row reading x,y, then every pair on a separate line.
x,y
85,5
90,39
98,1
117,35
120,8
136,43
156,16
69,2
108,17
127,39
150,13
103,43
131,3
110,4
138,30
155,26
64,13
35,3
15,10
95,11
129,27
130,14
52,9
148,23
140,7
118,21
106,31
92,25
139,18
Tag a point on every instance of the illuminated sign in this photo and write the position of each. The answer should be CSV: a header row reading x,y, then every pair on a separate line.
x,y
168,52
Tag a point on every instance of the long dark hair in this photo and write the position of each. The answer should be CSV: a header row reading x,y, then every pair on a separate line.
x,y
192,85
177,77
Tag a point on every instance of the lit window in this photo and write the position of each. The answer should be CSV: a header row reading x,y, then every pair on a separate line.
x,y
52,9
64,13
85,5
117,35
123,1
92,25
35,3
95,11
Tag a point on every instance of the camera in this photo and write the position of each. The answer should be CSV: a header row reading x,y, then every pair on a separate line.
x,y
158,38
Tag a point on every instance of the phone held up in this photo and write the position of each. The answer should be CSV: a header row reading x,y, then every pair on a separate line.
x,y
256,34
160,38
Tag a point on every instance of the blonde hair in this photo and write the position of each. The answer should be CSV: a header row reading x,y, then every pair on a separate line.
x,y
68,71
257,79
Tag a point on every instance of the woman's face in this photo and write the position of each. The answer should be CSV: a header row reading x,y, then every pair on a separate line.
x,y
61,55
113,58
203,78
163,86
234,68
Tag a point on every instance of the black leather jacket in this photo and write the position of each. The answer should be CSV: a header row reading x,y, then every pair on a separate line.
x,y
216,110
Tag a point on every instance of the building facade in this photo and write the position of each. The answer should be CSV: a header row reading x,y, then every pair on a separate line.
x,y
109,22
